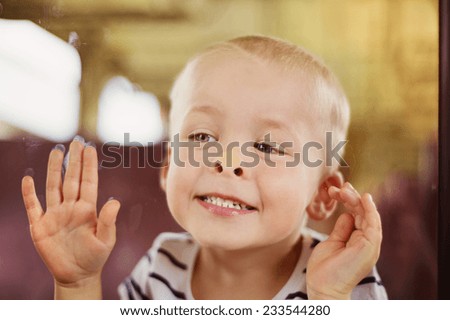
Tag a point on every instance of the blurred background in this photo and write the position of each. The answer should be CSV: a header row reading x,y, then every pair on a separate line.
x,y
105,67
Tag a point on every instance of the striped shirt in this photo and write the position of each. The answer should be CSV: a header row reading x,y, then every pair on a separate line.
x,y
165,272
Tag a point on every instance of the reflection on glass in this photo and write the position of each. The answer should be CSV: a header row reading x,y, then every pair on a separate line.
x,y
39,81
123,108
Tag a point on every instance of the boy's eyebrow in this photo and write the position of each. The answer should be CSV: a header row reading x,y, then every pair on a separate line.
x,y
275,124
205,109
268,122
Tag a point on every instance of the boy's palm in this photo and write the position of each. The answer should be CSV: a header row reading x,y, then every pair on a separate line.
x,y
69,237
339,263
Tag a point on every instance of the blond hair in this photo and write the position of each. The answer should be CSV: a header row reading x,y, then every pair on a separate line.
x,y
330,105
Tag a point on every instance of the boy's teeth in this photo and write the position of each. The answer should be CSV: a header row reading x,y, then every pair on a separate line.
x,y
224,203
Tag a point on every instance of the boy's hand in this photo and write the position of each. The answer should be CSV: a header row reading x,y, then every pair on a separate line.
x,y
69,237
338,264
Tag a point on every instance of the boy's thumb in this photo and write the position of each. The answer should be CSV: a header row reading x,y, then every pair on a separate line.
x,y
106,225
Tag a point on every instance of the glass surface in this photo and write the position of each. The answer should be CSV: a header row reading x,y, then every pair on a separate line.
x,y
385,54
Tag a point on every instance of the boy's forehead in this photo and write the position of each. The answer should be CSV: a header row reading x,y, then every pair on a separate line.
x,y
220,80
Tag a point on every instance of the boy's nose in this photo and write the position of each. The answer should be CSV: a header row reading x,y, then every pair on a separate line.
x,y
237,171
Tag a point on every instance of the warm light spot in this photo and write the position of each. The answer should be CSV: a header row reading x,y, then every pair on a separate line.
x,y
39,81
125,109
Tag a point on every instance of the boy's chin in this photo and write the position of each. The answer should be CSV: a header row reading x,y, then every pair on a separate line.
x,y
223,245
234,242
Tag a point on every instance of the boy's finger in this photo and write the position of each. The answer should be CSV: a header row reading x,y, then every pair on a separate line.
x,y
71,186
334,193
350,186
32,204
89,177
348,198
54,180
106,224
372,217
338,194
352,201
371,223
343,228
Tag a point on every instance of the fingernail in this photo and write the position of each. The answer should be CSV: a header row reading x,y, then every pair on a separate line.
x,y
111,198
28,172
78,138
90,144
65,164
349,191
60,147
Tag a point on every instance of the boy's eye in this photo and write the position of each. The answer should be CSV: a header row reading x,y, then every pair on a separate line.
x,y
267,148
201,137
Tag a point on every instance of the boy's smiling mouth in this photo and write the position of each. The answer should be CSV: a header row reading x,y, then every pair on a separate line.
x,y
225,205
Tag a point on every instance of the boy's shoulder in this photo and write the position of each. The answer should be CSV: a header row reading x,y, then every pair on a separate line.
x,y
174,240
164,271
312,237
176,249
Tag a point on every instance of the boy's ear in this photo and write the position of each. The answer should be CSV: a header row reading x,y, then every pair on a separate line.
x,y
322,206
164,169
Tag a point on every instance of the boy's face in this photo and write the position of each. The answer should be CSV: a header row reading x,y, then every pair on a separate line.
x,y
237,99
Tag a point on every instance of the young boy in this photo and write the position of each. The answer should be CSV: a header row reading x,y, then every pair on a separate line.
x,y
249,106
